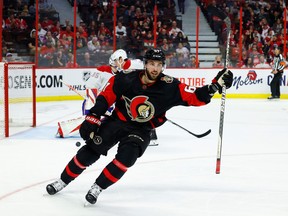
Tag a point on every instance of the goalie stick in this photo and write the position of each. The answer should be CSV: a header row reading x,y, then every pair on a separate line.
x,y
222,109
196,135
72,88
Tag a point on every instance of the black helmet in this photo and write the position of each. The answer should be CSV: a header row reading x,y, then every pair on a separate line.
x,y
154,54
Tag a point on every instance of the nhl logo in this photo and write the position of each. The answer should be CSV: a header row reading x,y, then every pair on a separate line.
x,y
86,75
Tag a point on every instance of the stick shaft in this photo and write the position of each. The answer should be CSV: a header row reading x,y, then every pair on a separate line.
x,y
72,88
196,135
222,111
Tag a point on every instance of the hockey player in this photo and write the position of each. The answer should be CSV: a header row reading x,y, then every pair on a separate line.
x,y
141,100
118,62
278,68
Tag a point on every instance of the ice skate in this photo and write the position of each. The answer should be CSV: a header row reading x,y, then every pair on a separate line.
x,y
55,187
153,142
153,138
273,97
93,194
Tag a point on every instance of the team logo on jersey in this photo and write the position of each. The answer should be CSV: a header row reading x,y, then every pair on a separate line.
x,y
86,75
167,79
139,108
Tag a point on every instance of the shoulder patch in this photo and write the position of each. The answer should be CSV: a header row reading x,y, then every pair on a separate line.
x,y
167,79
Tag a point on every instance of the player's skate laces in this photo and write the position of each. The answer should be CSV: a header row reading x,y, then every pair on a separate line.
x,y
55,187
93,194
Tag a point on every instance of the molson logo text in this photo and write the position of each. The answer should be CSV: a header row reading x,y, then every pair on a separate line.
x,y
249,79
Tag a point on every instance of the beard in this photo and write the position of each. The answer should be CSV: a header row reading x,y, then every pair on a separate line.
x,y
149,76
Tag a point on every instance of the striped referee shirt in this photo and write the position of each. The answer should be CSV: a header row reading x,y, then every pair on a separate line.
x,y
279,63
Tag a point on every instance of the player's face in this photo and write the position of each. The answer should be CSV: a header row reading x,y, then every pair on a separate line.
x,y
153,69
119,62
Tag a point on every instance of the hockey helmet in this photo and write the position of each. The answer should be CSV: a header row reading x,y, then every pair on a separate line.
x,y
120,53
154,54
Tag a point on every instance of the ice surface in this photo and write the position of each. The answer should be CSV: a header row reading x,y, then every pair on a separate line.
x,y
175,178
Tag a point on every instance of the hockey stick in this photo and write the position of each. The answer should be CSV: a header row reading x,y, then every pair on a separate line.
x,y
222,110
72,88
196,135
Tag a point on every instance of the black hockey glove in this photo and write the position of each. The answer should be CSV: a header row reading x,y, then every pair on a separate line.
x,y
89,127
224,77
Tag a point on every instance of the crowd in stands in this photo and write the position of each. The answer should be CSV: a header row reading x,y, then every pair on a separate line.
x,y
263,29
94,34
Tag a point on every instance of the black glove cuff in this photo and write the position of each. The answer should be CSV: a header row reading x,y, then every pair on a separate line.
x,y
212,88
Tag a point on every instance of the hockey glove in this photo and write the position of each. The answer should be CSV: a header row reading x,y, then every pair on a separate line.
x,y
224,77
89,127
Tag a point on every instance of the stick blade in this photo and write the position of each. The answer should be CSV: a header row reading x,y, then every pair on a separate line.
x,y
218,162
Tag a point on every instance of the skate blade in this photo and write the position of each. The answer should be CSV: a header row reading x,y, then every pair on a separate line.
x,y
153,143
87,204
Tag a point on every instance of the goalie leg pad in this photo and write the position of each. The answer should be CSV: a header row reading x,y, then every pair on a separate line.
x,y
70,127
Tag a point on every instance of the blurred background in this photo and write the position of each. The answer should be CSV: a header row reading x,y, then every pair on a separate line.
x,y
192,33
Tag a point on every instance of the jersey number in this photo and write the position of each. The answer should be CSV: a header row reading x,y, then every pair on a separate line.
x,y
190,89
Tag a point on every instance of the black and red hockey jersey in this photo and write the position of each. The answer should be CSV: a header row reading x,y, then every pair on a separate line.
x,y
138,103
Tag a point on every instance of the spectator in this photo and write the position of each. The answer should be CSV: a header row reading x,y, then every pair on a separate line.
x,y
135,43
129,15
104,43
68,32
277,26
32,42
82,33
105,13
183,51
248,63
70,63
94,45
182,61
167,48
47,54
49,37
262,63
121,34
41,33
104,30
182,38
181,5
60,59
148,40
174,30
162,35
47,24
66,42
80,41
194,63
218,62
56,30
92,27
9,57
86,62
120,30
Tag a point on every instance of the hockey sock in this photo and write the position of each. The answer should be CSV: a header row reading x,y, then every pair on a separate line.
x,y
72,170
111,174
